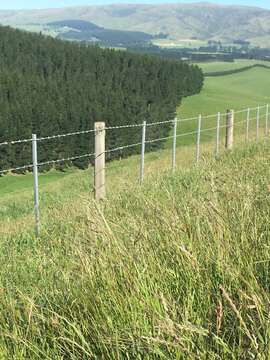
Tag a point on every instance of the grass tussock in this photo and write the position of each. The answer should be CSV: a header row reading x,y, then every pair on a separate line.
x,y
177,269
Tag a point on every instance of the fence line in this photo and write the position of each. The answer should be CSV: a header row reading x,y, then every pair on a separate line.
x,y
100,150
57,161
24,167
126,126
13,142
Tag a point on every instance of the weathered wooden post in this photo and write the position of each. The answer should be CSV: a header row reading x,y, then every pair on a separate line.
x,y
100,190
174,144
229,129
36,193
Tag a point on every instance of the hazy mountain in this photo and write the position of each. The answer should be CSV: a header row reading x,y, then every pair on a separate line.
x,y
180,21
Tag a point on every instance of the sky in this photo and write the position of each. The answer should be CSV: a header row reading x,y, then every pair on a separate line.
x,y
38,4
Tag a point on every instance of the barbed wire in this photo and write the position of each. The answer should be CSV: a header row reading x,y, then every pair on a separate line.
x,y
122,148
123,126
156,140
126,126
159,123
65,159
47,163
13,142
24,167
65,135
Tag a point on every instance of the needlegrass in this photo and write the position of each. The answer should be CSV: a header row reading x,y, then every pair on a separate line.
x,y
175,269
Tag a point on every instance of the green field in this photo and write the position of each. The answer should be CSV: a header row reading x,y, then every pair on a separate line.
x,y
216,66
236,92
175,269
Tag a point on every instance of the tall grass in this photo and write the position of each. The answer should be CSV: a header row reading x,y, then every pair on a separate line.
x,y
178,269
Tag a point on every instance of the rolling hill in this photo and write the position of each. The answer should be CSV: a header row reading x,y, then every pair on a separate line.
x,y
81,30
179,21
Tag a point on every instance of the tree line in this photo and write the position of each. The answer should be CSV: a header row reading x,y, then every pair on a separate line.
x,y
48,86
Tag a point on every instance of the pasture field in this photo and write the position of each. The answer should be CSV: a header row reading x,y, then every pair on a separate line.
x,y
216,66
235,91
175,269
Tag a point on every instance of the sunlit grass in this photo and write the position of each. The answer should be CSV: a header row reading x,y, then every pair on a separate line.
x,y
177,268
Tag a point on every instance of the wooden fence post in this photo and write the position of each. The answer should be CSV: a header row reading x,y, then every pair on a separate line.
x,y
229,129
100,190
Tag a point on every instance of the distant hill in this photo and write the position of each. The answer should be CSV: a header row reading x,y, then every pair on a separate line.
x,y
80,25
82,30
180,21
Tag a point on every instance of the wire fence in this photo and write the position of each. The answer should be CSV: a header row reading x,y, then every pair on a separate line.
x,y
202,128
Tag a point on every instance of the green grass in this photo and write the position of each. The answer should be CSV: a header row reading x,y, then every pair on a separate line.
x,y
234,91
237,92
216,66
17,184
175,269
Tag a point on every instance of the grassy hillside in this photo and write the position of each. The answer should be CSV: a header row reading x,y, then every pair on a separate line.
x,y
237,92
233,91
177,269
216,66
78,30
180,21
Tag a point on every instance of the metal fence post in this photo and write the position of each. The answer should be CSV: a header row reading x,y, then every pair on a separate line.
x,y
100,189
247,124
266,120
198,139
218,134
36,193
174,145
142,151
257,123
229,129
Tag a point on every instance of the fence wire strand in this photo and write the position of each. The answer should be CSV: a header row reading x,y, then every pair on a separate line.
x,y
24,167
126,126
65,135
120,148
65,159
